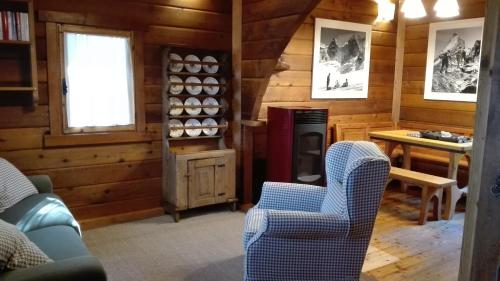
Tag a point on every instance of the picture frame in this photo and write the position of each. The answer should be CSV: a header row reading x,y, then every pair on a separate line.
x,y
453,60
341,60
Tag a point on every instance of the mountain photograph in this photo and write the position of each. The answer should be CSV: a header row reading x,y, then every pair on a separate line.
x,y
456,61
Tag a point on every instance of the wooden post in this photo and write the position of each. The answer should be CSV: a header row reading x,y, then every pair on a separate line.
x,y
480,258
398,69
236,81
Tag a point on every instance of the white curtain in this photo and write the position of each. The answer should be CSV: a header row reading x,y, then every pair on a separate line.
x,y
99,79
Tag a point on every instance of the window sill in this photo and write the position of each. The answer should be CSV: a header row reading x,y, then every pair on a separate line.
x,y
96,139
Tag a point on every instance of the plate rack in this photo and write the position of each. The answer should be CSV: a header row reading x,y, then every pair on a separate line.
x,y
176,57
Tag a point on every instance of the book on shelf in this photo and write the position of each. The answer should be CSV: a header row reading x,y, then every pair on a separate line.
x,y
14,26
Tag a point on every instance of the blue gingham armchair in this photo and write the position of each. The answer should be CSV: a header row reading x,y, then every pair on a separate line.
x,y
301,232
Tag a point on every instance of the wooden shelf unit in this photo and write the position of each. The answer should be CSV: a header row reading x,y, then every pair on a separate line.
x,y
203,177
20,58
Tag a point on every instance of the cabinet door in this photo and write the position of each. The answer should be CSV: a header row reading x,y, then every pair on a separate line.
x,y
204,178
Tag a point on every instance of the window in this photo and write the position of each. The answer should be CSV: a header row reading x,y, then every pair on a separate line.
x,y
98,80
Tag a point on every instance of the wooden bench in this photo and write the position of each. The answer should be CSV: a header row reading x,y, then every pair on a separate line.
x,y
432,186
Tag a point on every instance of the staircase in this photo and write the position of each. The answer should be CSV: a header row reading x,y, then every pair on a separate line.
x,y
268,26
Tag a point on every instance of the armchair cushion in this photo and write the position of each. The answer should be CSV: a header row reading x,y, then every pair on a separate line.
x,y
38,211
291,196
14,186
42,183
17,251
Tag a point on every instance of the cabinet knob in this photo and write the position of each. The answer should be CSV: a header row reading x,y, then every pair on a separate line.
x,y
221,194
221,165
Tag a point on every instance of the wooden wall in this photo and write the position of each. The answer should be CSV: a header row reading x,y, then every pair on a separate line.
x,y
293,87
267,28
413,106
111,183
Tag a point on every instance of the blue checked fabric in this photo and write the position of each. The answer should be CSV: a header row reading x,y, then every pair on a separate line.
x,y
301,232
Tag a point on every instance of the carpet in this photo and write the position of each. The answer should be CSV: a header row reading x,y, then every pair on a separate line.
x,y
204,246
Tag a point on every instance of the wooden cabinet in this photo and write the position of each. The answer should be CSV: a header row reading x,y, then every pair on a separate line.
x,y
200,179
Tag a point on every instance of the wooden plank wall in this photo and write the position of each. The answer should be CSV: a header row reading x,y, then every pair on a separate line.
x,y
111,183
413,106
267,29
293,87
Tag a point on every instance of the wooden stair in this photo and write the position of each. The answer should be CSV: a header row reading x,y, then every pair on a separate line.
x,y
268,27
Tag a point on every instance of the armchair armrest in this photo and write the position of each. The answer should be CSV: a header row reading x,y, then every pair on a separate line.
x,y
75,269
42,183
291,196
308,225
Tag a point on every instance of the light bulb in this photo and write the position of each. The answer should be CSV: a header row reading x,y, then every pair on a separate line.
x,y
447,8
385,10
413,9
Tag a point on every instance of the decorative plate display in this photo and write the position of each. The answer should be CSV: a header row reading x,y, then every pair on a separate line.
x,y
193,67
175,66
209,89
193,89
176,89
174,111
210,68
192,123
210,110
192,101
175,133
209,131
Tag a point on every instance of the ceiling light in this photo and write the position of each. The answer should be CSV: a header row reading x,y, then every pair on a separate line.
x,y
413,9
385,10
446,8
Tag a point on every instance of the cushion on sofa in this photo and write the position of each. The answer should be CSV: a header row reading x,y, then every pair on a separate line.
x,y
58,242
17,251
14,186
38,211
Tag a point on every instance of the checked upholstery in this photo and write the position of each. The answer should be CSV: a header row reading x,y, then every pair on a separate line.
x,y
301,232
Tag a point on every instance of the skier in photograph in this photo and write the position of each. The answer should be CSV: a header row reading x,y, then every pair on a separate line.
x,y
328,82
444,61
459,56
345,84
476,49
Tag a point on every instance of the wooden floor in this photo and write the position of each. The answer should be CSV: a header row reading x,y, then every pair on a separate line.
x,y
403,250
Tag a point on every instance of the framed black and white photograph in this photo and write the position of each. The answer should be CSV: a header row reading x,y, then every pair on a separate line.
x,y
341,60
453,60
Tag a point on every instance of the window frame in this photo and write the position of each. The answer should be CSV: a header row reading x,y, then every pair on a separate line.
x,y
59,133
93,31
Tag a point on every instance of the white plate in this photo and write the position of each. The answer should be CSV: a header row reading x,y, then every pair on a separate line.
x,y
176,89
176,66
211,90
175,133
192,101
175,111
193,123
210,110
192,67
210,68
209,131
193,89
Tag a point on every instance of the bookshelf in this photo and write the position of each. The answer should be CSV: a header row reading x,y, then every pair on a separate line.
x,y
19,83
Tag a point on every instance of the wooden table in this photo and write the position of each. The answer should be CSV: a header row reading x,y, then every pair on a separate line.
x,y
456,151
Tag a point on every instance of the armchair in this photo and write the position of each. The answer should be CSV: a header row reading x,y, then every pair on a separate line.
x,y
301,232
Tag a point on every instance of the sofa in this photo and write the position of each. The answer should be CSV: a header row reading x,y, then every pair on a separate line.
x,y
48,223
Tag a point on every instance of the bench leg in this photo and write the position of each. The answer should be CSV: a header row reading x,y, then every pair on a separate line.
x,y
438,203
427,194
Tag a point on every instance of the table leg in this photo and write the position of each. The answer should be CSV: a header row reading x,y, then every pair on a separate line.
x,y
406,163
453,193
389,148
